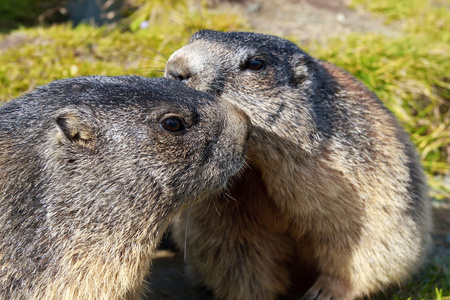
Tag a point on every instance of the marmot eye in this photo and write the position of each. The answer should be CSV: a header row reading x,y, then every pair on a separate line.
x,y
172,124
254,64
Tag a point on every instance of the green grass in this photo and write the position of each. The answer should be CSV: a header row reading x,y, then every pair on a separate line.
x,y
433,282
34,56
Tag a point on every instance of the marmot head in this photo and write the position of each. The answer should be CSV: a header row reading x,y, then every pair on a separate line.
x,y
268,77
107,151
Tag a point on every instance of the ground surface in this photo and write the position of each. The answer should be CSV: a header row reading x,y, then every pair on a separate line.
x,y
307,21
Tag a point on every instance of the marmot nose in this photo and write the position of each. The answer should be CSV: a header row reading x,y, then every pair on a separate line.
x,y
180,75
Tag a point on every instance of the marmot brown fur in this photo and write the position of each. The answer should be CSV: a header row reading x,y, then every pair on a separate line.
x,y
335,197
91,171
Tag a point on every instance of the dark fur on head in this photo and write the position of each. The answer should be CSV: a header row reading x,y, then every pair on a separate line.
x,y
91,174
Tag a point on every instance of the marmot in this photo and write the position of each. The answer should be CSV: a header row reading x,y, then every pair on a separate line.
x,y
92,169
335,196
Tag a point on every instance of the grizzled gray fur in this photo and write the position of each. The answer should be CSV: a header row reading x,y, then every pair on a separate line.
x,y
92,169
334,204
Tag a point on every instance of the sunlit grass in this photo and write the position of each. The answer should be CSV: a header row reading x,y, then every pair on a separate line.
x,y
35,56
433,282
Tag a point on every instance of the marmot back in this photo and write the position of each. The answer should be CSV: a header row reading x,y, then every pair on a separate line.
x,y
92,170
335,198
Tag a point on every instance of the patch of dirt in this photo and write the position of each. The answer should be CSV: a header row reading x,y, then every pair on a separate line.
x,y
19,38
169,282
307,20
13,40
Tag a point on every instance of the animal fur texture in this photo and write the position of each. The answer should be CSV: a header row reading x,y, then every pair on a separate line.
x,y
334,204
92,169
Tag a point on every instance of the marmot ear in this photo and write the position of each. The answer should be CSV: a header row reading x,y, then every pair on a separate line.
x,y
300,68
75,130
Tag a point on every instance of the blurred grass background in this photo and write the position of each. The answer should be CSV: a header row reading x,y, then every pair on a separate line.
x,y
410,72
